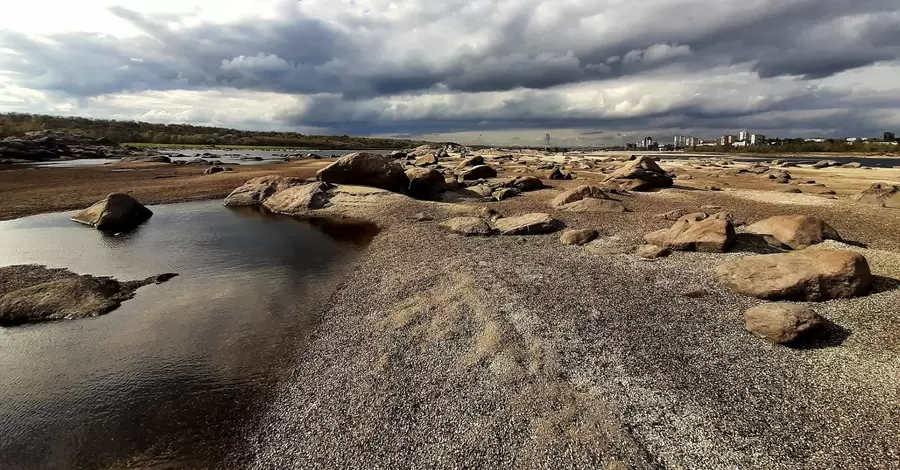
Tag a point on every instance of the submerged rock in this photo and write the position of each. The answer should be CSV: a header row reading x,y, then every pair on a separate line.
x,y
782,323
31,293
117,212
811,275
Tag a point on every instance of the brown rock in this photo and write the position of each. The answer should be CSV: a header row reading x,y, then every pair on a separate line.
x,y
528,224
812,275
114,213
527,183
257,190
794,231
882,195
478,172
468,226
504,193
652,251
425,183
782,323
578,237
579,193
299,199
594,205
641,174
694,232
366,169
474,161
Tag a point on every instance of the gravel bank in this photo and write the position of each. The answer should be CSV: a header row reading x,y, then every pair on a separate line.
x,y
441,350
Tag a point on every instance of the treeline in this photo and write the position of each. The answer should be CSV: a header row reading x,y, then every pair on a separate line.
x,y
17,124
778,146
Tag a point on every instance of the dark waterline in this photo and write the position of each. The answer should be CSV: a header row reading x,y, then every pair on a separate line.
x,y
874,162
177,375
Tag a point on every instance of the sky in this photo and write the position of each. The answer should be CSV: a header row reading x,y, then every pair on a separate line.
x,y
493,72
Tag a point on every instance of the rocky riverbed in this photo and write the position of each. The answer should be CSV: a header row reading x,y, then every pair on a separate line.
x,y
478,329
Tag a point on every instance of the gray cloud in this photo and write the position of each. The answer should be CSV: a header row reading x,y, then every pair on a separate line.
x,y
349,65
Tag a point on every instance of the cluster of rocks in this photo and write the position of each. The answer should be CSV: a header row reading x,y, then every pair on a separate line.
x,y
55,145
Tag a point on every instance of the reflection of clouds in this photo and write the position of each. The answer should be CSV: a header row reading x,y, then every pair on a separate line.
x,y
247,292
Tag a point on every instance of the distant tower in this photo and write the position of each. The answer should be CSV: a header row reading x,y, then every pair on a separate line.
x,y
547,139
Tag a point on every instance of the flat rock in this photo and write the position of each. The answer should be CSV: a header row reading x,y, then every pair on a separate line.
x,y
811,275
528,224
794,231
299,199
257,190
782,323
595,205
366,169
116,212
468,226
578,237
579,193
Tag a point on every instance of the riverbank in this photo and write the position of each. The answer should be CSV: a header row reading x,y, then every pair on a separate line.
x,y
28,190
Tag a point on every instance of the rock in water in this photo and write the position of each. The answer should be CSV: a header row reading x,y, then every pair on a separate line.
x,y
115,213
257,190
528,224
782,323
299,199
578,237
811,275
794,231
425,183
882,195
468,226
642,174
31,293
478,172
366,169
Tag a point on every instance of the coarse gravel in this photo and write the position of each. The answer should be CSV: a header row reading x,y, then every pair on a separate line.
x,y
438,350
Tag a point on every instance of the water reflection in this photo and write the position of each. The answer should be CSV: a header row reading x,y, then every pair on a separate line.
x,y
175,376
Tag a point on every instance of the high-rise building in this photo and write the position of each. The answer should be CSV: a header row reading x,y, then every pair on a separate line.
x,y
757,139
681,141
743,136
727,139
889,137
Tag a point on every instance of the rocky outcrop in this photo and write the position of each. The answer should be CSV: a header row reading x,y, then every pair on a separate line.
x,y
468,226
117,212
695,232
53,145
528,224
299,199
477,173
811,275
425,183
257,190
366,169
794,231
882,195
782,323
642,174
31,293
578,237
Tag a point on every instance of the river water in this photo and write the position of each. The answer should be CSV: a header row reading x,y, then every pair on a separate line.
x,y
175,377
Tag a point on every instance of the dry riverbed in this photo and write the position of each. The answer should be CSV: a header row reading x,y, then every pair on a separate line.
x,y
518,351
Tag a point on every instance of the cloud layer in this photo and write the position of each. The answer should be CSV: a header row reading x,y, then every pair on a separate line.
x,y
496,67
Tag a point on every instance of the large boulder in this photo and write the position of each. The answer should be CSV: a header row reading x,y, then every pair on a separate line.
x,y
782,323
528,224
694,232
116,212
579,193
257,190
366,169
526,183
299,199
641,174
425,183
882,195
477,173
473,161
811,275
468,226
794,231
425,160
578,237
